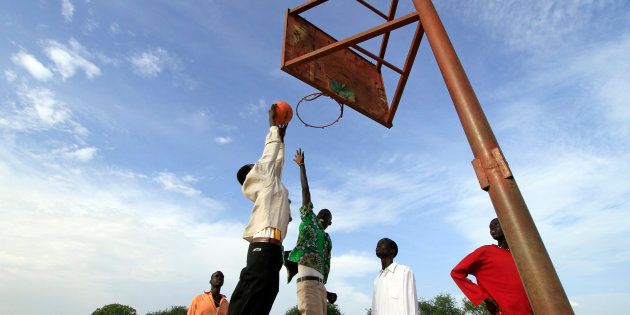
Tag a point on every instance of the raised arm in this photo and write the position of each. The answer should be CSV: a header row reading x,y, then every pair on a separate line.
x,y
269,165
299,160
282,129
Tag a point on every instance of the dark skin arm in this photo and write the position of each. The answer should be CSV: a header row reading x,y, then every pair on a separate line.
x,y
272,122
299,160
491,306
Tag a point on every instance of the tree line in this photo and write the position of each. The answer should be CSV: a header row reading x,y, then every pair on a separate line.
x,y
441,304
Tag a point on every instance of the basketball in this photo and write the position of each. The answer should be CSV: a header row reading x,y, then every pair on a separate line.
x,y
284,113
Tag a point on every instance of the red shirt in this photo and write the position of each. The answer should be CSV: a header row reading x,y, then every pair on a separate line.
x,y
497,277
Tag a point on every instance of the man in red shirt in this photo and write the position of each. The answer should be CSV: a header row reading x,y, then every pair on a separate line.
x,y
498,283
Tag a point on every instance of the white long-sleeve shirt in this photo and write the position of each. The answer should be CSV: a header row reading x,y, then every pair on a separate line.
x,y
395,292
263,186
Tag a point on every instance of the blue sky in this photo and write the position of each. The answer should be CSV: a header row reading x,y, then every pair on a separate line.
x,y
123,123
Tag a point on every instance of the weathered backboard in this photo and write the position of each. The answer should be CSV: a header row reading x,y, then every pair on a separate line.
x,y
343,75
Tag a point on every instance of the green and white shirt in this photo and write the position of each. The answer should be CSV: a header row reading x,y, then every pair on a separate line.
x,y
313,245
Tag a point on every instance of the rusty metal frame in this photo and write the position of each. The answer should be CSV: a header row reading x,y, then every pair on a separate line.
x,y
390,16
353,42
373,9
306,6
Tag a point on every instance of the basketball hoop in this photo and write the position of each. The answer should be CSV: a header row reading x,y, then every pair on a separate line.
x,y
312,97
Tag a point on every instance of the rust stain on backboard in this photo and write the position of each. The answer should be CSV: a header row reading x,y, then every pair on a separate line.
x,y
343,75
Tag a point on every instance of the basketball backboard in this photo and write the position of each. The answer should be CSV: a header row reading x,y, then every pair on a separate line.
x,y
332,67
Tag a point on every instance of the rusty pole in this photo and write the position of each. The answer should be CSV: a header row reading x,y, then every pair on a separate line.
x,y
541,282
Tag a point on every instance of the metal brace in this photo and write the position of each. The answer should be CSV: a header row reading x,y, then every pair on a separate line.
x,y
499,161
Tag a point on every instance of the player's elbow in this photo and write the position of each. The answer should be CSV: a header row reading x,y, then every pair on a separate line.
x,y
457,274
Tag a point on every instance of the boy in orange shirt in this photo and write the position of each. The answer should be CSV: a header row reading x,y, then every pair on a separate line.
x,y
210,302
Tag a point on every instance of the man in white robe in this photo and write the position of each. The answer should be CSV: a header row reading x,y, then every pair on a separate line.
x,y
395,286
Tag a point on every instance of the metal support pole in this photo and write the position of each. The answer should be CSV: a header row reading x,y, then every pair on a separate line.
x,y
541,282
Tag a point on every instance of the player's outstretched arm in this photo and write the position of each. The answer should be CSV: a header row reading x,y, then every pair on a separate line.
x,y
299,160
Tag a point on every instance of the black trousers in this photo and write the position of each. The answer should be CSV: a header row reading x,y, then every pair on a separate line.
x,y
258,283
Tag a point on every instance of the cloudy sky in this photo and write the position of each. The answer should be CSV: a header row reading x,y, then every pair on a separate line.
x,y
122,125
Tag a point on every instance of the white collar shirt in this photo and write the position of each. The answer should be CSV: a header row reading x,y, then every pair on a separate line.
x,y
395,292
263,186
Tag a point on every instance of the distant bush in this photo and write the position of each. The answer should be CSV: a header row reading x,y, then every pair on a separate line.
x,y
115,309
174,310
445,304
332,310
442,304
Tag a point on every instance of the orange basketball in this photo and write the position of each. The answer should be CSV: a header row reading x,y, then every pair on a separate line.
x,y
284,113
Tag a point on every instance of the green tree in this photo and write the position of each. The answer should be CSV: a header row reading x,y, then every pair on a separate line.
x,y
441,304
115,309
293,311
174,310
333,309
444,304
471,309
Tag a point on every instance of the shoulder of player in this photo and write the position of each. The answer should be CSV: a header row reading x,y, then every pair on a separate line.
x,y
488,247
403,268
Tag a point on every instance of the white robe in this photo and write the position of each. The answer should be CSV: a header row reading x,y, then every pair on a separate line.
x,y
395,292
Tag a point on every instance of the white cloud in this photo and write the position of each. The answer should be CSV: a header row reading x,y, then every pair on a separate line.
x,y
357,197
223,140
67,10
173,183
534,25
48,109
254,110
605,70
32,65
592,303
37,109
354,265
155,62
83,154
345,270
90,25
200,120
10,75
114,28
107,232
150,63
70,59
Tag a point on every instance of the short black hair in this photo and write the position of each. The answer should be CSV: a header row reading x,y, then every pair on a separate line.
x,y
392,245
218,271
324,212
242,173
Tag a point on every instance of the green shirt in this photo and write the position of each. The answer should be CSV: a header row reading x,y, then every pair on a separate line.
x,y
313,245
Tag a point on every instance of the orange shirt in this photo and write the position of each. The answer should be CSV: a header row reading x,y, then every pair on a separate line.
x,y
203,304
